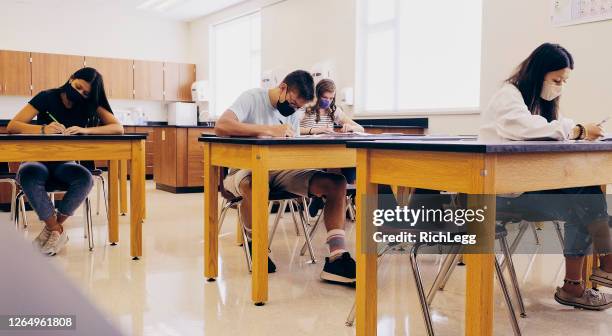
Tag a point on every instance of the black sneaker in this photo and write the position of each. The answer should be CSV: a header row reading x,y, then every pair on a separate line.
x,y
316,204
271,266
341,270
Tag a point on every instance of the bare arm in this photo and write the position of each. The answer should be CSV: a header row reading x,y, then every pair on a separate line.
x,y
20,124
229,125
349,124
110,125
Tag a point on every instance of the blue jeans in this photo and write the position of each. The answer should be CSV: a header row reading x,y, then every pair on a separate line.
x,y
577,207
39,178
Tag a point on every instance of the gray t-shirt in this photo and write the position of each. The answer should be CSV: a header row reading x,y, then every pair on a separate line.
x,y
254,107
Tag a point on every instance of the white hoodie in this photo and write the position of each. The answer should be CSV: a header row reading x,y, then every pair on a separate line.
x,y
508,118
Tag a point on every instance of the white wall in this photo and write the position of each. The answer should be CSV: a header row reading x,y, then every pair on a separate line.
x,y
103,32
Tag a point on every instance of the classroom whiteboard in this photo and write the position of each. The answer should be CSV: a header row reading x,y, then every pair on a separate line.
x,y
573,12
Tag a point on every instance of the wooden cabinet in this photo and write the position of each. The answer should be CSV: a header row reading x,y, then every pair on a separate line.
x,y
15,73
148,80
195,158
24,74
187,75
177,81
178,159
51,70
164,168
118,75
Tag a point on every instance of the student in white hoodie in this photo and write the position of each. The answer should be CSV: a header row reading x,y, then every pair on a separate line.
x,y
527,108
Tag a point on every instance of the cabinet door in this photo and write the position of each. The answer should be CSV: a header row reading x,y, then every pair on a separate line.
x,y
15,73
122,82
104,67
195,161
171,81
51,70
187,75
148,80
165,142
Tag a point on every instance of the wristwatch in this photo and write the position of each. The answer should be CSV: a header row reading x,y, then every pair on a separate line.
x,y
42,129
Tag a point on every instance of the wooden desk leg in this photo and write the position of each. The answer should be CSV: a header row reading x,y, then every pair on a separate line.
x,y
137,195
367,270
113,202
123,186
211,216
480,269
260,191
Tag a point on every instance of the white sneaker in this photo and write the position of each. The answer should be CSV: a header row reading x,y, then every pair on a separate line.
x,y
42,238
55,243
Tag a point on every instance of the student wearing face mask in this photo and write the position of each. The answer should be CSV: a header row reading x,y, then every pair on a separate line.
x,y
321,116
79,106
261,112
527,108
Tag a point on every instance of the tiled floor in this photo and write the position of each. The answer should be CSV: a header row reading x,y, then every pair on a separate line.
x,y
164,293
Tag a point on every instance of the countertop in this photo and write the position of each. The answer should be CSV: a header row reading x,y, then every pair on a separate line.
x,y
474,146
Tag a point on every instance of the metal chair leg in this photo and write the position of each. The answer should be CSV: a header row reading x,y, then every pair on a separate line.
x,y
24,217
89,224
448,274
245,246
504,288
292,208
442,274
535,232
308,242
224,209
349,205
98,196
421,292
559,233
517,291
311,233
281,208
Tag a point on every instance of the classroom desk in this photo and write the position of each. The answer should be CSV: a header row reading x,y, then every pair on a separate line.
x,y
31,147
471,168
262,155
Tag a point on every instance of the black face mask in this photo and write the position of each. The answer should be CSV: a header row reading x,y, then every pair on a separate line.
x,y
284,108
73,95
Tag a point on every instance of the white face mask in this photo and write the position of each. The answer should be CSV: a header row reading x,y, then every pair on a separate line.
x,y
550,91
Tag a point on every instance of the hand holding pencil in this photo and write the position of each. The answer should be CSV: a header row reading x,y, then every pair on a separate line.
x,y
55,127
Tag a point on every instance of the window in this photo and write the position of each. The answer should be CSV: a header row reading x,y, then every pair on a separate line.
x,y
235,56
418,56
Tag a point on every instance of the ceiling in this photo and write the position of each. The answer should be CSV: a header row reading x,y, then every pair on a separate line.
x,y
179,10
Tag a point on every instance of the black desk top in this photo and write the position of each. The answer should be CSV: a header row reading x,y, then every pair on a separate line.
x,y
321,140
467,146
42,137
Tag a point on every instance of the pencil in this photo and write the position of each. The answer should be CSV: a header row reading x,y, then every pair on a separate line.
x,y
52,117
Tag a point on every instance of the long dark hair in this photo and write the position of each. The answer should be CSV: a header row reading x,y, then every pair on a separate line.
x,y
324,85
529,77
97,94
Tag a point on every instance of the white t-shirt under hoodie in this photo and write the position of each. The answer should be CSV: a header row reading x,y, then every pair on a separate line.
x,y
507,118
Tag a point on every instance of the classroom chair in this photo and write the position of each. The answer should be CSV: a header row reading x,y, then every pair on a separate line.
x,y
282,197
11,178
454,251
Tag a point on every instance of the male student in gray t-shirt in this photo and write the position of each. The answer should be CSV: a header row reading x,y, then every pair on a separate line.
x,y
261,112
